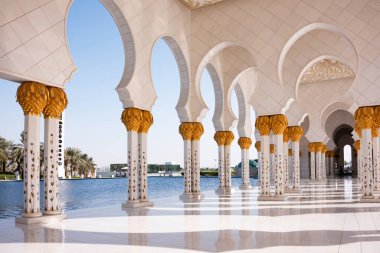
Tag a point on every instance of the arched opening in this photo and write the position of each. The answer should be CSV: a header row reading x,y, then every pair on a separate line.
x,y
347,158
164,139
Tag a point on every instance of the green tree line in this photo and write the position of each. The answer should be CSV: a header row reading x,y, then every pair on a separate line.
x,y
76,162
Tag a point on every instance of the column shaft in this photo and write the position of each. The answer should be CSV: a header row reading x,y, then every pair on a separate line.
x,y
245,167
296,165
376,163
286,166
31,166
227,166
265,184
51,166
187,166
221,167
132,166
312,165
318,165
367,162
278,164
143,167
195,175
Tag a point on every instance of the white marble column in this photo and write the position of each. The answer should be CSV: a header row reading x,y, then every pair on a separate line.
x,y
312,165
290,167
278,165
296,165
318,160
32,166
32,98
187,166
227,166
286,165
143,168
271,163
259,169
323,165
132,167
195,176
245,143
265,184
221,166
359,162
376,159
51,166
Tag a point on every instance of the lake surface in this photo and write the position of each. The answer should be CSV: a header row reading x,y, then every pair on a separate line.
x,y
87,193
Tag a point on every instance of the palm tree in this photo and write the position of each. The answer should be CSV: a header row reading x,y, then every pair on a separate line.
x,y
4,152
72,159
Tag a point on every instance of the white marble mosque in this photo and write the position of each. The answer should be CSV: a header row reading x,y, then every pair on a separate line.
x,y
309,69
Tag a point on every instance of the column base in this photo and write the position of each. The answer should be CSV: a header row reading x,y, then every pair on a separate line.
x,y
245,187
271,198
224,191
191,197
137,204
40,219
369,199
52,212
293,191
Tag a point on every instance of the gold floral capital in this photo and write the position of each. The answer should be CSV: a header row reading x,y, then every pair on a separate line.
x,y
364,117
324,149
32,97
285,136
132,118
290,151
312,146
229,138
258,146
295,133
376,118
263,125
146,122
57,103
279,123
357,145
271,148
319,146
186,130
245,142
220,138
198,131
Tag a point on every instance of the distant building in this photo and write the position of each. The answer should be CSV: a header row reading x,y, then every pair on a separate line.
x,y
253,168
152,168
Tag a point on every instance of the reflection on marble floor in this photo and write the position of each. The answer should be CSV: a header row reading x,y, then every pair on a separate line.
x,y
324,218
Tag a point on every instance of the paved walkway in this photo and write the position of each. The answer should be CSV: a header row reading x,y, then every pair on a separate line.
x,y
325,218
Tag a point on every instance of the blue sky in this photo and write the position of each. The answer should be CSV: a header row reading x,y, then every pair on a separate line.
x,y
92,119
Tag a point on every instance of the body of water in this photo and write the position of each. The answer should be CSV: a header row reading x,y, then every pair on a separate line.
x,y
87,193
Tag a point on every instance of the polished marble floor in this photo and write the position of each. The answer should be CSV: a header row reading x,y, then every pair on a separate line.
x,y
326,217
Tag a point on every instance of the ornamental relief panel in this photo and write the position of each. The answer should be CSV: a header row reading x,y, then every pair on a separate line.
x,y
327,69
194,4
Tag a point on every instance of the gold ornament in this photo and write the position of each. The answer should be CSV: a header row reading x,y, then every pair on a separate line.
x,y
324,149
197,131
220,137
375,132
132,118
57,103
229,138
186,130
311,146
376,118
364,117
32,97
357,145
263,125
290,151
271,148
285,136
245,142
258,146
279,123
146,121
295,133
318,146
